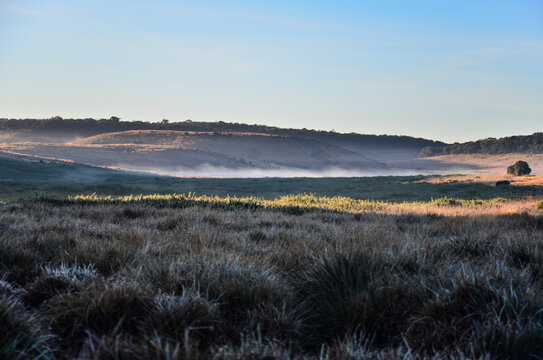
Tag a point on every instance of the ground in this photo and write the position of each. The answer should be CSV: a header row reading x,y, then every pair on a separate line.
x,y
147,278
408,267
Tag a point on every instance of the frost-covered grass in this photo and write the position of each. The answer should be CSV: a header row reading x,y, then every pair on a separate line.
x,y
136,277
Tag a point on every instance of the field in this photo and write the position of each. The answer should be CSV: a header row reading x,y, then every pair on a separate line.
x,y
25,179
103,264
199,278
490,164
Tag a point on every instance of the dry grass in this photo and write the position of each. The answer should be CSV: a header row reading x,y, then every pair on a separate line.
x,y
489,179
142,279
301,203
491,164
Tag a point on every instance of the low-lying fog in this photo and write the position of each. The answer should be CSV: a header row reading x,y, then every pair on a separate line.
x,y
283,172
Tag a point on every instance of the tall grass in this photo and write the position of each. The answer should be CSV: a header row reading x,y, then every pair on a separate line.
x,y
179,277
293,204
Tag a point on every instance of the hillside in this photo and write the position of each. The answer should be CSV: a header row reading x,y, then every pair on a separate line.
x,y
529,144
239,150
207,153
58,129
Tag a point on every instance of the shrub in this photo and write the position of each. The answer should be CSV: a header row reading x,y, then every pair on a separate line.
x,y
502,183
519,168
539,205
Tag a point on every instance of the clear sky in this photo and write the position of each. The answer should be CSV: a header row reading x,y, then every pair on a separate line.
x,y
448,70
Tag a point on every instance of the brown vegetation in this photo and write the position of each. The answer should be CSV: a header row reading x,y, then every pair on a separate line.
x,y
488,179
169,150
490,164
134,281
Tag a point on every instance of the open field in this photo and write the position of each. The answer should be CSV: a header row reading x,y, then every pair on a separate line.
x,y
352,268
490,164
201,278
488,179
28,177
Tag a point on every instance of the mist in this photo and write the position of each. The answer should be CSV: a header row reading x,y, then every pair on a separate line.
x,y
208,170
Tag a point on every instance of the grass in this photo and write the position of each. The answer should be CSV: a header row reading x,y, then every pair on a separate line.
x,y
23,180
302,203
200,277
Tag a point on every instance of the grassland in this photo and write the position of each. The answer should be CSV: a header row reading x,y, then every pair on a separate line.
x,y
489,163
302,277
23,179
352,268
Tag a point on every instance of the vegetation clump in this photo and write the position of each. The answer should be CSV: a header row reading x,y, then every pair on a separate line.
x,y
519,168
503,183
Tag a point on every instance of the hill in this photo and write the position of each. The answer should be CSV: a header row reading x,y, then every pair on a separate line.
x,y
222,149
57,129
528,144
201,153
249,150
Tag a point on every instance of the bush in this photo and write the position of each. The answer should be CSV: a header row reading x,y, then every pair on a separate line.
x,y
519,168
502,183
539,205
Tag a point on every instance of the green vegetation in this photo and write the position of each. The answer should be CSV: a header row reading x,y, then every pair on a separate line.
x,y
127,278
530,144
19,179
354,268
519,168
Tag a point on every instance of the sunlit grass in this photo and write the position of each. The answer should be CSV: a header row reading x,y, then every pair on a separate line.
x,y
301,203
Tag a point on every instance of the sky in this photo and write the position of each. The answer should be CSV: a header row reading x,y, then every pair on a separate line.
x,y
446,70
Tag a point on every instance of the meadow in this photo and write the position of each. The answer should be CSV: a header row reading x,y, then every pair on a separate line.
x,y
300,277
24,180
104,264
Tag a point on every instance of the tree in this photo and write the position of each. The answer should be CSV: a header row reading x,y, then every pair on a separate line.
x,y
519,168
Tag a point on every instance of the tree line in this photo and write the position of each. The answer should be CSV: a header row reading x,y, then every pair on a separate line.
x,y
526,144
89,127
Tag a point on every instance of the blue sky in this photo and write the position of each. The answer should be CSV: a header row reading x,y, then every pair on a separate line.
x,y
447,70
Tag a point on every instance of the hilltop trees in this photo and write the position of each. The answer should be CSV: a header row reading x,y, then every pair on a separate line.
x,y
519,168
529,144
72,128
